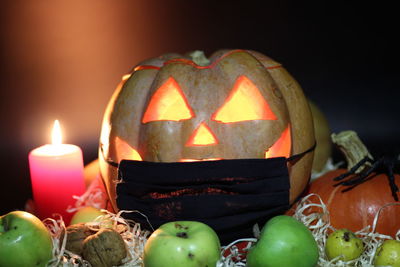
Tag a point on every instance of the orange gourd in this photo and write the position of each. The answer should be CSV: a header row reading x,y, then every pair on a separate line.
x,y
356,208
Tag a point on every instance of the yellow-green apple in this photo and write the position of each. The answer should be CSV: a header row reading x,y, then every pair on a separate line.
x,y
24,240
182,244
86,214
344,244
388,254
284,241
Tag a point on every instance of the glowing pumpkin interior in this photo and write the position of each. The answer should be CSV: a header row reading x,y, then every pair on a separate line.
x,y
202,136
244,103
168,104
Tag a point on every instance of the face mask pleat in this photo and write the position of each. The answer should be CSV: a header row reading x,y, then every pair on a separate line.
x,y
229,195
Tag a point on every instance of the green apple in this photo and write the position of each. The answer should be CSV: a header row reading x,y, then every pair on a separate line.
x,y
86,214
284,241
388,254
24,240
182,244
343,243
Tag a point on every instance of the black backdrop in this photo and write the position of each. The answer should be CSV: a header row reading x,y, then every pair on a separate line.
x,y
343,55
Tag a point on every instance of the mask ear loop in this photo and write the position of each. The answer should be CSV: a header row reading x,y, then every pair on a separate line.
x,y
293,159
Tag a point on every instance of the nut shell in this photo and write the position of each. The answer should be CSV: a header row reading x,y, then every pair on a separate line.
x,y
106,248
76,234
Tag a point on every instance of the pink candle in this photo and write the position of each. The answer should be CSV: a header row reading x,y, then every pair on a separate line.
x,y
56,174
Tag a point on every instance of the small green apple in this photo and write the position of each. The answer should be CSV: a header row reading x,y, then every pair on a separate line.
x,y
182,244
284,241
24,240
86,214
344,243
388,254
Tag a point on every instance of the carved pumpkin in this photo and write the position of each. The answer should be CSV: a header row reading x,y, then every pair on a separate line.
x,y
238,104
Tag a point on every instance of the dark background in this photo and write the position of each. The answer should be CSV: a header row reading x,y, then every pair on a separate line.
x,y
63,59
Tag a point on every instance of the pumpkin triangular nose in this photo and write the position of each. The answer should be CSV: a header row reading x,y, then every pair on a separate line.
x,y
202,136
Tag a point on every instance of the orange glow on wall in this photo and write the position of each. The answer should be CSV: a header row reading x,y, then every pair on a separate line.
x,y
282,146
244,103
76,51
168,103
202,136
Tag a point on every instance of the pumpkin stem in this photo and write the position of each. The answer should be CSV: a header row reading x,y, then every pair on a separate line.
x,y
353,149
361,163
199,58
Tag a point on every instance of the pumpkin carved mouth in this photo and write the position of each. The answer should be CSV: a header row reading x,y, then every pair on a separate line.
x,y
281,148
193,160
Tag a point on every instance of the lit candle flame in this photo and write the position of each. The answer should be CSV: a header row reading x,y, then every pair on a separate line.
x,y
56,134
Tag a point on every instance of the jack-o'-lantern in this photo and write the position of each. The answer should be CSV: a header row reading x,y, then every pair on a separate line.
x,y
238,104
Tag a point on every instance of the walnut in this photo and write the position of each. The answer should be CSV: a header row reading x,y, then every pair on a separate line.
x,y
76,234
106,248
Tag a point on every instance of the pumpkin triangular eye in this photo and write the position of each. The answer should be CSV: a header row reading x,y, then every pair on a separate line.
x,y
244,103
168,103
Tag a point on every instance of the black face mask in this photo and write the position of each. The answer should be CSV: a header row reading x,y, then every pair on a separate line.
x,y
228,195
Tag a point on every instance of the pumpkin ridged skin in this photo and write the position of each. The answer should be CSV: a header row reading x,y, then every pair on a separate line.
x,y
355,209
206,89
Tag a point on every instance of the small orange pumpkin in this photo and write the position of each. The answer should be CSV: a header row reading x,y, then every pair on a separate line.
x,y
356,208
